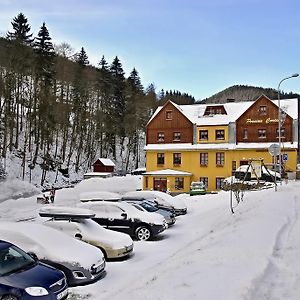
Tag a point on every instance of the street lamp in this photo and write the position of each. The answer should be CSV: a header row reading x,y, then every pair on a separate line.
x,y
279,120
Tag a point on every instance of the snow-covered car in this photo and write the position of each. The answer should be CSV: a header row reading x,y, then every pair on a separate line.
x,y
161,198
81,262
99,196
77,223
23,277
247,173
152,207
132,197
123,217
197,188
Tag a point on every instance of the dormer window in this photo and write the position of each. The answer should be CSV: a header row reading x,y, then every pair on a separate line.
x,y
169,115
215,110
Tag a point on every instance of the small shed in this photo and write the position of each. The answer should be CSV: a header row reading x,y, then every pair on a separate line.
x,y
105,165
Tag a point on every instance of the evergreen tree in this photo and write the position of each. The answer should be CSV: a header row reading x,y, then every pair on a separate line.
x,y
118,101
103,111
21,30
82,58
45,55
44,80
81,98
134,110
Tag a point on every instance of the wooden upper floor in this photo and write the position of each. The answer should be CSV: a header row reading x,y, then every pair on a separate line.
x,y
251,122
170,125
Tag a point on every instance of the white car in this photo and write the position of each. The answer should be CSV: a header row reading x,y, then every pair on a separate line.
x,y
99,196
81,263
123,217
77,223
162,199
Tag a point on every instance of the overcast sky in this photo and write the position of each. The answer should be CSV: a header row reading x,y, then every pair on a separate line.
x,y
194,46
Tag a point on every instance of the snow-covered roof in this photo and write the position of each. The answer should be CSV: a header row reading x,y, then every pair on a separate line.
x,y
107,162
210,146
97,174
168,172
195,112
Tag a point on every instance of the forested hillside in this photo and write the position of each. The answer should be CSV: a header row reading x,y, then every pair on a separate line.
x,y
246,93
58,111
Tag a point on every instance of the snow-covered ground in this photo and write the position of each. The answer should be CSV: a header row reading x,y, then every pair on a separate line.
x,y
208,254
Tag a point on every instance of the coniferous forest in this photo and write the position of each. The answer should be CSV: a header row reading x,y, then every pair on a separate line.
x,y
58,110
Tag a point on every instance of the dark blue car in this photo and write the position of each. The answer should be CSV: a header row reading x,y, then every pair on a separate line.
x,y
23,278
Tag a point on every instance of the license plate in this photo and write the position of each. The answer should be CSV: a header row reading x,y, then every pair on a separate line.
x,y
62,294
100,267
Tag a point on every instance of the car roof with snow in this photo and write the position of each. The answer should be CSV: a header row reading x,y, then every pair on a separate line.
x,y
48,243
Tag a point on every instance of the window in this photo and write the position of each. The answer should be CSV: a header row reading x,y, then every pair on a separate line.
x,y
203,135
262,110
219,183
146,182
179,183
168,115
160,158
282,132
245,134
176,158
176,136
220,135
220,158
233,165
262,133
205,181
160,137
203,159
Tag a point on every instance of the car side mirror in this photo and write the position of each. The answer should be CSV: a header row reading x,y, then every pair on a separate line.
x,y
124,215
33,255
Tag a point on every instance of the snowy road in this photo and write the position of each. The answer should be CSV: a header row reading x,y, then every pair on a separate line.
x,y
281,279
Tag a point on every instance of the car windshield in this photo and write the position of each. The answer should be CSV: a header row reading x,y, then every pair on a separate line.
x,y
197,185
13,259
148,206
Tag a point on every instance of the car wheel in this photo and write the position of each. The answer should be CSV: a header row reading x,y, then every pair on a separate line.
x,y
9,297
143,233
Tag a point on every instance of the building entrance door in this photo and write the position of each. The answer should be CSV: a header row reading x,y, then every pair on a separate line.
x,y
160,184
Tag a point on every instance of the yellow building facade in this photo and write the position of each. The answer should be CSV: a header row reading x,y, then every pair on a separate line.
x,y
212,152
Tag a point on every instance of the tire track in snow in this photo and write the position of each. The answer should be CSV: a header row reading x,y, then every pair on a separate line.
x,y
277,281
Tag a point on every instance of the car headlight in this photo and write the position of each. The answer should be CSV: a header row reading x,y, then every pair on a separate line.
x,y
36,291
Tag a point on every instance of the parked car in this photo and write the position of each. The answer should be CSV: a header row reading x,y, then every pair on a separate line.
x,y
77,223
123,217
246,173
164,200
99,196
153,207
81,263
23,277
128,197
197,188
